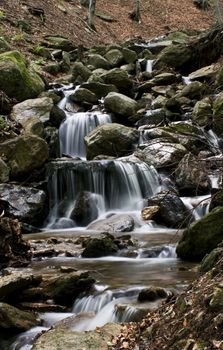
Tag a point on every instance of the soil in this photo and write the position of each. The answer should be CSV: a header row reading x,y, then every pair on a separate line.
x,y
69,18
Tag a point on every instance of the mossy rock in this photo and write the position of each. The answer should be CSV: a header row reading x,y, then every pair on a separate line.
x,y
17,79
203,236
97,247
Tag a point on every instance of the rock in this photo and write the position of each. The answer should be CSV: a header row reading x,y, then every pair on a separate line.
x,y
202,112
14,251
17,80
4,171
85,210
24,203
116,223
210,260
114,57
57,116
203,236
119,78
39,107
120,104
98,61
162,154
66,287
83,95
218,115
216,302
110,139
4,45
194,90
52,68
33,126
99,89
68,339
24,154
11,285
175,56
130,56
204,74
152,294
149,212
16,320
97,247
52,139
79,71
172,211
6,103
191,176
164,79
58,42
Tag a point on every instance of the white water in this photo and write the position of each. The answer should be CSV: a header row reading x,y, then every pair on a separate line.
x,y
149,66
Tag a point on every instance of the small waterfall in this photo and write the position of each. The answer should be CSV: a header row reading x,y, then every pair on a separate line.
x,y
198,206
76,126
92,302
112,185
149,66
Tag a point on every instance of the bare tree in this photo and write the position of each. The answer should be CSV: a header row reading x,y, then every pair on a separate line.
x,y
91,12
137,10
218,11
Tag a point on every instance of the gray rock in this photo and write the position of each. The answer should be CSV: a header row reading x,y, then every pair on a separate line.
x,y
114,57
98,61
119,78
120,104
99,89
85,210
82,95
202,112
116,223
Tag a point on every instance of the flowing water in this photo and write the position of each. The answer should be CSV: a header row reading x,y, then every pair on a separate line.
x,y
113,186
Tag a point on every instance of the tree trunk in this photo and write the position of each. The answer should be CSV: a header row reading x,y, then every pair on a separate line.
x,y
218,12
137,10
91,12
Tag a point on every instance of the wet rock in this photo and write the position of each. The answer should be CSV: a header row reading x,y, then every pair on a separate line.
x,y
85,210
131,313
130,56
24,203
119,78
14,251
68,339
218,115
192,177
152,294
161,153
116,223
172,211
203,236
194,90
17,80
120,104
52,138
33,126
110,139
66,287
24,154
164,79
16,320
210,260
38,107
57,116
149,212
97,247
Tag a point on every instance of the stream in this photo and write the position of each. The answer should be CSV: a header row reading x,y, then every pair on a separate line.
x,y
114,187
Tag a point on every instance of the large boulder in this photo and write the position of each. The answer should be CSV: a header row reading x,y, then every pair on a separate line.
x,y
24,203
66,339
58,42
80,72
172,211
15,320
110,139
23,154
218,114
99,89
119,78
120,104
38,107
98,61
203,236
17,79
114,57
83,95
14,251
191,176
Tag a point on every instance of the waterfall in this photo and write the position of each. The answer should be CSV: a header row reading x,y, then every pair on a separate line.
x,y
76,126
114,184
149,66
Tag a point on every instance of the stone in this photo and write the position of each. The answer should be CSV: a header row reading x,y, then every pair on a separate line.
x,y
6,104
175,56
14,251
164,79
194,90
4,171
98,61
39,108
98,247
120,104
15,320
114,57
216,302
152,294
80,71
116,223
149,212
119,78
172,211
52,139
211,259
99,89
130,56
202,112
57,116
33,126
67,339
18,80
110,139
203,236
26,204
23,154
58,42
218,115
204,74
85,210
83,95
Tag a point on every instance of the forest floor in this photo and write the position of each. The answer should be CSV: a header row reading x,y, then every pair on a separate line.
x,y
68,18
